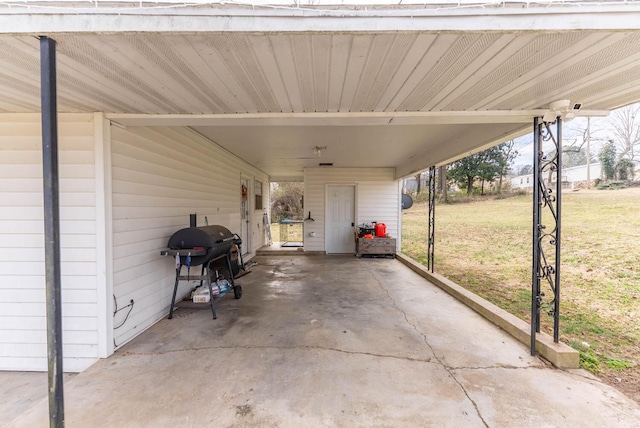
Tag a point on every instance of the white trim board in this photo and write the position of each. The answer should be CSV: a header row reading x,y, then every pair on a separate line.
x,y
548,17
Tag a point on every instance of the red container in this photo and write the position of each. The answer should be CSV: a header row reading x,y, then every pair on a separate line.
x,y
381,230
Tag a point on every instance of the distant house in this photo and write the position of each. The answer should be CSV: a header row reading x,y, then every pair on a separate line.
x,y
570,176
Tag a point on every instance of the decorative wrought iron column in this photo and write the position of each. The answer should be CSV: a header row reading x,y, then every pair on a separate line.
x,y
547,204
432,217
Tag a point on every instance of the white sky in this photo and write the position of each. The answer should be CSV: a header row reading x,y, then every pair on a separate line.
x,y
572,134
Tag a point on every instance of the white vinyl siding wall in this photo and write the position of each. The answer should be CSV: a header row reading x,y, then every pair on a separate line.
x,y
377,199
23,339
160,176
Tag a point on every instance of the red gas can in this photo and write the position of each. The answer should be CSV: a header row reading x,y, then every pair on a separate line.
x,y
381,230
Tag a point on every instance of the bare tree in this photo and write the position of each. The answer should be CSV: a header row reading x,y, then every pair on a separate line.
x,y
626,131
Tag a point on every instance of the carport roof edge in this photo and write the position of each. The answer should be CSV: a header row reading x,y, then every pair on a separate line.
x,y
66,17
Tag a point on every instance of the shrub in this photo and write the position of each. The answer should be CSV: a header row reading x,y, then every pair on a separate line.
x,y
625,169
608,160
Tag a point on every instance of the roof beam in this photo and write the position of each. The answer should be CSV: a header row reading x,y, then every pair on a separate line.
x,y
336,119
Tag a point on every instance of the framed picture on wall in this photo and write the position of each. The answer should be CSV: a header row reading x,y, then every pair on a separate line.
x,y
258,193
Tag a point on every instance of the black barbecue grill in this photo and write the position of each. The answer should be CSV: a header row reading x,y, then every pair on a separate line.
x,y
202,246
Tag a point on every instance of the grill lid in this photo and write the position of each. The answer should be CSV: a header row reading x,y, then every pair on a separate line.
x,y
216,240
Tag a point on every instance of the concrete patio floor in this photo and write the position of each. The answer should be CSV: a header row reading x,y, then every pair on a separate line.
x,y
331,341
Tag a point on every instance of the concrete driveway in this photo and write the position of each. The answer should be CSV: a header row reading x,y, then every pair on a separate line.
x,y
332,341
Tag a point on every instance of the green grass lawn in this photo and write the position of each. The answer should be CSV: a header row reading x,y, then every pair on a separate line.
x,y
485,246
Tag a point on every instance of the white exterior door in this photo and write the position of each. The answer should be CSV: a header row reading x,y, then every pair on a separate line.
x,y
244,216
340,219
